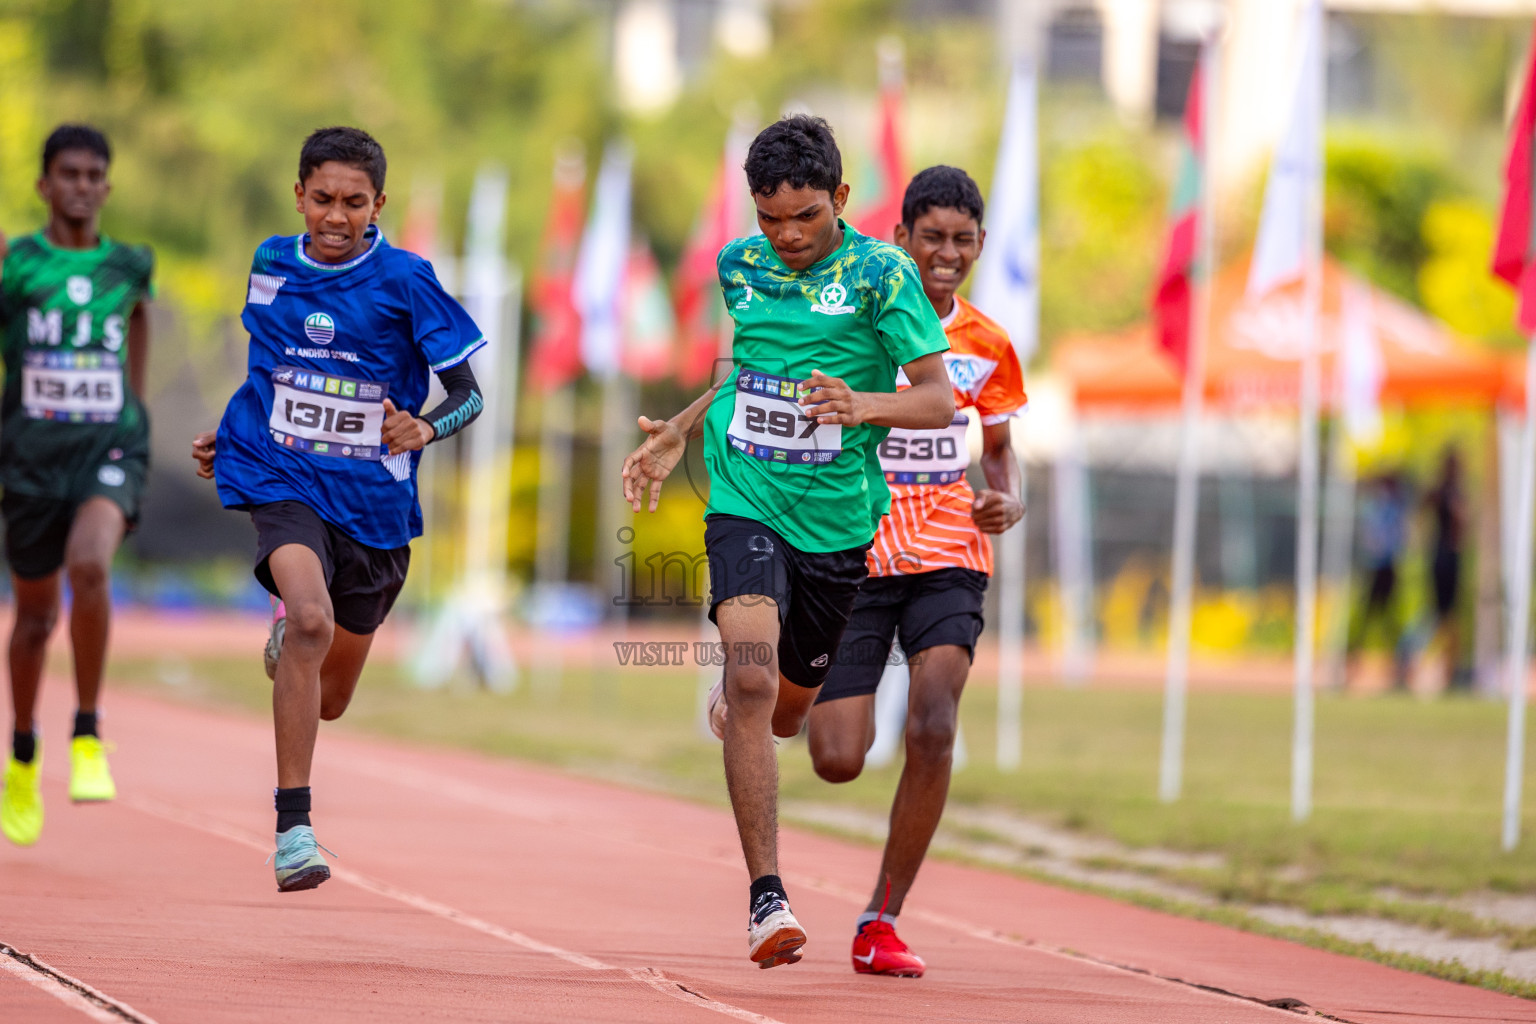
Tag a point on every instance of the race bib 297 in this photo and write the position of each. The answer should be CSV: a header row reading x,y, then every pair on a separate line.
x,y
322,414
769,423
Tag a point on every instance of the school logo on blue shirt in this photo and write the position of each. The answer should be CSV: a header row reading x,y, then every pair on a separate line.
x,y
319,328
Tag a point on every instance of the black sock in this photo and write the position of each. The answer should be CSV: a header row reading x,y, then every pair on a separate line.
x,y
24,746
764,885
292,807
85,723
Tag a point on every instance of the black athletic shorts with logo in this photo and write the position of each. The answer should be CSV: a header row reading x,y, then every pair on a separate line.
x,y
363,582
37,528
814,590
922,610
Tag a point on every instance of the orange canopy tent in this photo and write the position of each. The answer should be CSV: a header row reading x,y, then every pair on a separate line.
x,y
1253,355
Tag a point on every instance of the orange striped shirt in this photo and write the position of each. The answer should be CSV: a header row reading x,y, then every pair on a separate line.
x,y
930,525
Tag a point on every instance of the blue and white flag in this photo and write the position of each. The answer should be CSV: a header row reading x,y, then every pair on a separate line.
x,y
1280,253
598,288
1008,277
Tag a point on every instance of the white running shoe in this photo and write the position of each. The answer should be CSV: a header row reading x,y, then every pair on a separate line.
x,y
715,708
774,937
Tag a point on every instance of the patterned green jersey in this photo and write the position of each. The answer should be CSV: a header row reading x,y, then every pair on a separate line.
x,y
858,314
67,407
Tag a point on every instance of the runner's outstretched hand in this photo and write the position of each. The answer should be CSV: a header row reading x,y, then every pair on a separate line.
x,y
403,432
202,451
994,511
831,400
652,462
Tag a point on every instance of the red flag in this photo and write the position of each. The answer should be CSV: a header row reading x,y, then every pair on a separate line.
x,y
879,219
696,286
1514,255
649,327
1171,304
555,357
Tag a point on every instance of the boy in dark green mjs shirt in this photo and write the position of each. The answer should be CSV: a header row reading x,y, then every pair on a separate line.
x,y
823,316
74,449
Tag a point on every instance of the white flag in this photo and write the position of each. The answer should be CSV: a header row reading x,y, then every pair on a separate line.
x,y
1279,255
598,288
1361,366
1008,279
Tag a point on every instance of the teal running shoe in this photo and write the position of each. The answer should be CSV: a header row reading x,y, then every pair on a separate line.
x,y
297,860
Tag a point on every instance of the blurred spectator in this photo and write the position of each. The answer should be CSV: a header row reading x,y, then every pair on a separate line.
x,y
1447,505
1384,531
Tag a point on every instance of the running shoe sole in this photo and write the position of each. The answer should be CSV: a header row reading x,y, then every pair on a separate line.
x,y
781,944
309,878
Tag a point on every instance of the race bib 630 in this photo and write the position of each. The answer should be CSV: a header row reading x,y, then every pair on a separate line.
x,y
769,423
926,456
321,414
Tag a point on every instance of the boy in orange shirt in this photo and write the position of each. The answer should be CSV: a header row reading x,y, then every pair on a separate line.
x,y
931,560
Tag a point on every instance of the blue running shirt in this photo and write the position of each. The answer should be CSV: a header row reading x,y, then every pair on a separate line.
x,y
329,342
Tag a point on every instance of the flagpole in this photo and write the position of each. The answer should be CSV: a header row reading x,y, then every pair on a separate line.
x,y
1010,633
1007,289
1010,544
1520,610
556,441
1307,484
1186,506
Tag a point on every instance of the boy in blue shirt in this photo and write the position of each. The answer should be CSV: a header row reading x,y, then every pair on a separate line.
x,y
320,445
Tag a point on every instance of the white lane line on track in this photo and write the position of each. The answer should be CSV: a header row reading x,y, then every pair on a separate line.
x,y
648,976
443,785
72,992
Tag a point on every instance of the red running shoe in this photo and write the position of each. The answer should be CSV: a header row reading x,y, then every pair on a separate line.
x,y
877,950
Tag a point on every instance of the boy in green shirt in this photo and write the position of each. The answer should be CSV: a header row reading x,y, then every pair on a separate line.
x,y
823,316
74,449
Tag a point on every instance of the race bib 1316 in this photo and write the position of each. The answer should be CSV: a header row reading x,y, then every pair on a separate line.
x,y
322,414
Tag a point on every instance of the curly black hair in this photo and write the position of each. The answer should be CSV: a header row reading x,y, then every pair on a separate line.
x,y
351,146
75,136
944,187
797,151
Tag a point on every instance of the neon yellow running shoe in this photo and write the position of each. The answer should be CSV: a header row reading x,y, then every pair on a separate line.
x,y
21,805
89,776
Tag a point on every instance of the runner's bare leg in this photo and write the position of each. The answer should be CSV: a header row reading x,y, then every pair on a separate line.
x,y
751,691
37,612
933,706
842,731
311,626
94,537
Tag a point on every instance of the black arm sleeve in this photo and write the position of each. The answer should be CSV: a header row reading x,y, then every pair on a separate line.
x,y
462,405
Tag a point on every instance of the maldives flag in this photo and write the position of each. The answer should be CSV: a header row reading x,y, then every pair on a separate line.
x,y
648,324
879,219
555,358
696,285
1514,254
1172,303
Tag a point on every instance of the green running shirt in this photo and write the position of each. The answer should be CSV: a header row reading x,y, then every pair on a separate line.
x,y
64,336
858,314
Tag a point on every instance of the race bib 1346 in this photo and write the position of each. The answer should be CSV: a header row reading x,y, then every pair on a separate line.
x,y
76,387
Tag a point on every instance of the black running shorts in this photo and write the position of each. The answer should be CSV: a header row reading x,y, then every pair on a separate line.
x,y
923,610
37,528
363,582
814,590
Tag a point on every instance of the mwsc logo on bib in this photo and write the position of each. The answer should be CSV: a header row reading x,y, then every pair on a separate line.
x,y
320,328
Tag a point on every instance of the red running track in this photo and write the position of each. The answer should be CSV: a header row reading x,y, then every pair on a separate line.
x,y
470,889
